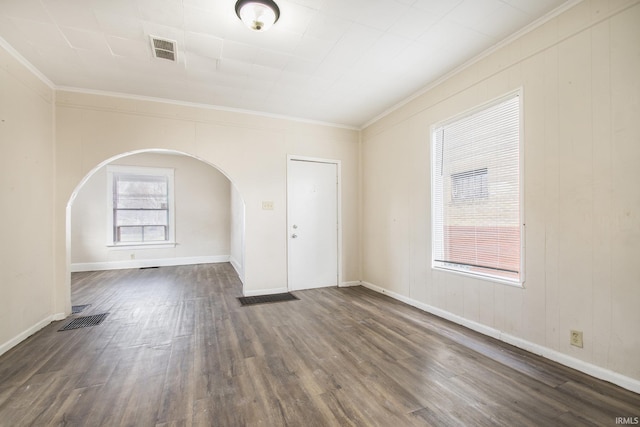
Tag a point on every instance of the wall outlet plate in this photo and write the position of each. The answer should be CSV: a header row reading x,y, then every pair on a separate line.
x,y
575,339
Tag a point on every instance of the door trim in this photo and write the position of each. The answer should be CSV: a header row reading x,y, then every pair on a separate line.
x,y
294,158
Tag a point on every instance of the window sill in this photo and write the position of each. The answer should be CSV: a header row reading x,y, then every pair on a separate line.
x,y
137,245
486,278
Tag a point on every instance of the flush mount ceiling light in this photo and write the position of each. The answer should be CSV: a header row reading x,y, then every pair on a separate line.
x,y
258,15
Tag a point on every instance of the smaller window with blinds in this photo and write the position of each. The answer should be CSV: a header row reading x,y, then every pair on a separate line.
x,y
476,209
140,205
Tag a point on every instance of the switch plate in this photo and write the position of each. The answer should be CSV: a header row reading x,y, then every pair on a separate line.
x,y
267,206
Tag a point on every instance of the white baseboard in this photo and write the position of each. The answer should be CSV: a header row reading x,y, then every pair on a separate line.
x,y
140,263
253,293
566,360
237,267
348,284
4,347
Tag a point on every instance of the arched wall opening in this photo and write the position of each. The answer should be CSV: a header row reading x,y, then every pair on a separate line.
x,y
210,217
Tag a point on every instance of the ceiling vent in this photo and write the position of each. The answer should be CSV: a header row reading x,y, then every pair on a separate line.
x,y
164,49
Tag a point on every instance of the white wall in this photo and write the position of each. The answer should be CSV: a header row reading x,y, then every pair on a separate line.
x,y
581,93
249,149
26,202
579,73
202,207
237,232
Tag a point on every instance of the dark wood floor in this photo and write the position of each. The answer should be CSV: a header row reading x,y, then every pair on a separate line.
x,y
178,349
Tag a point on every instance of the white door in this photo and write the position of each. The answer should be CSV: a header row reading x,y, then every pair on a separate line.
x,y
312,224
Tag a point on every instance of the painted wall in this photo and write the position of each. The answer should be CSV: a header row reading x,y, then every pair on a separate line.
x,y
26,202
202,207
581,91
249,149
236,252
579,73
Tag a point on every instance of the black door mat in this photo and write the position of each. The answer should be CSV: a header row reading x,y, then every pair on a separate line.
x,y
75,309
262,299
83,322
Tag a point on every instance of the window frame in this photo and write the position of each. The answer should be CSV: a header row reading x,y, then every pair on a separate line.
x,y
115,170
520,282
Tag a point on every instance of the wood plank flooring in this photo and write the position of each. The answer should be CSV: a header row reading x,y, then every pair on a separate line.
x,y
177,349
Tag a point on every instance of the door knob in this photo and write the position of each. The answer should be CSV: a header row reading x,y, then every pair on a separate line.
x,y
294,236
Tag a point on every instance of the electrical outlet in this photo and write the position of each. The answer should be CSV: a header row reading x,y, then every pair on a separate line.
x,y
576,338
267,205
133,256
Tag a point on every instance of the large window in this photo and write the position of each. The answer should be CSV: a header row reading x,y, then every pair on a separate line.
x,y
140,205
476,215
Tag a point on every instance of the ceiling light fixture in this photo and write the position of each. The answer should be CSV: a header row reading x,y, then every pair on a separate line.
x,y
258,15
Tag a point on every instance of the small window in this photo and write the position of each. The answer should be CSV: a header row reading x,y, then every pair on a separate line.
x,y
140,205
476,213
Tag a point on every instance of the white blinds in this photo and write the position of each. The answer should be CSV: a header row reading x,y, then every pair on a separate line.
x,y
476,192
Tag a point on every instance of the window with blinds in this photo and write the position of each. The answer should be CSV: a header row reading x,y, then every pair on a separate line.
x,y
476,192
141,205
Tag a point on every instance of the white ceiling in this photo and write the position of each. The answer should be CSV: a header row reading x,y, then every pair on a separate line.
x,y
336,61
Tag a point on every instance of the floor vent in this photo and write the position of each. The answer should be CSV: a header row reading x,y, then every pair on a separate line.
x,y
83,322
262,299
164,49
75,309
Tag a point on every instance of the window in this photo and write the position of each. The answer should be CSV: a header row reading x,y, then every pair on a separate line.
x,y
476,185
140,205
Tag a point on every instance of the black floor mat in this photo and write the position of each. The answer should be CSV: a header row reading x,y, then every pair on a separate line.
x,y
263,299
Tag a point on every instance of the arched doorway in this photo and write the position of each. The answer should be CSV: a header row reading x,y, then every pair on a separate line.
x,y
209,220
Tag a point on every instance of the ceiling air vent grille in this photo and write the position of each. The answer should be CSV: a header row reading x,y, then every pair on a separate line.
x,y
163,48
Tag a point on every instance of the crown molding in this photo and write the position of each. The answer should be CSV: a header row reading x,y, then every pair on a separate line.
x,y
28,65
510,39
202,106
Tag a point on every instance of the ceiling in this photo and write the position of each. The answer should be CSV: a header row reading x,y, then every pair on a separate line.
x,y
336,61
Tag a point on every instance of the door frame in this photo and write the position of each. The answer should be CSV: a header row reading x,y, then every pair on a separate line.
x,y
293,157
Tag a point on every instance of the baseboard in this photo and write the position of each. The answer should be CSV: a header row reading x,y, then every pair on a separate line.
x,y
29,331
141,263
349,284
478,327
554,355
58,316
577,364
237,267
282,290
253,293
